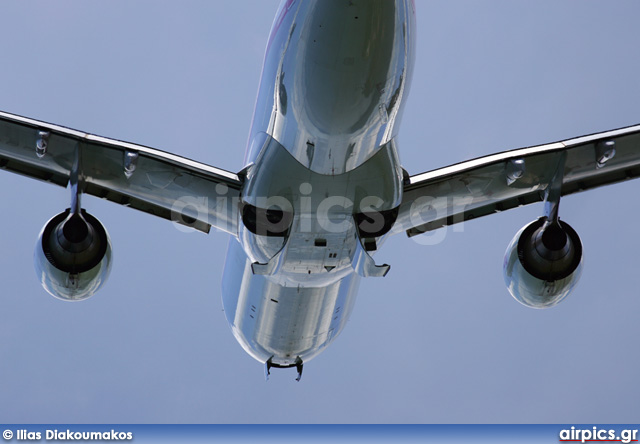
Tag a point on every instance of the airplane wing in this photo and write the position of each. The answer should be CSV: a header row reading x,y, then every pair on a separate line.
x,y
510,179
150,180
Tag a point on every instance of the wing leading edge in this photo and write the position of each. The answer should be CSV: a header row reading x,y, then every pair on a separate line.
x,y
150,180
510,179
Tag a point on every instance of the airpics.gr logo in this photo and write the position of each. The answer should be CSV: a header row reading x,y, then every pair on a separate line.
x,y
596,434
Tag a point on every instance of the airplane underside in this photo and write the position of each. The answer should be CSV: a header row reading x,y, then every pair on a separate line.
x,y
322,187
321,159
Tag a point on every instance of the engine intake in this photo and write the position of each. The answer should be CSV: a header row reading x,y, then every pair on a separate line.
x,y
543,263
72,256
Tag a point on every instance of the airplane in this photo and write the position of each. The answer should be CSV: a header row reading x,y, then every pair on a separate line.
x,y
322,188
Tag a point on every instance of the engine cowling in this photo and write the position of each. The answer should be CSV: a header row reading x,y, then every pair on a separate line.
x,y
72,256
543,263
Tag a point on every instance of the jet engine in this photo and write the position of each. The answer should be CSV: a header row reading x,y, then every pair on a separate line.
x,y
543,263
72,257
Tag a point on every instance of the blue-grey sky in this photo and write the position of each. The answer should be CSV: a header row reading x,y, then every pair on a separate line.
x,y
437,340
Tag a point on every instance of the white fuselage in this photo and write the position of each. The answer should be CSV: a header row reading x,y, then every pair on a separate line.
x,y
321,154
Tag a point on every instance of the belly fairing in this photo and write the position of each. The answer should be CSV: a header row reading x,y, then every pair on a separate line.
x,y
323,210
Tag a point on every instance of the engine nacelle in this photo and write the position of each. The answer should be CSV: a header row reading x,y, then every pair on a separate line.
x,y
543,263
72,256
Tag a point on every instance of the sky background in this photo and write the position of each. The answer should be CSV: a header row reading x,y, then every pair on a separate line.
x,y
438,340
